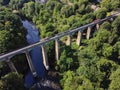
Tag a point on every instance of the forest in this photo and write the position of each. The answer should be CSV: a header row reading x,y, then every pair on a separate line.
x,y
95,65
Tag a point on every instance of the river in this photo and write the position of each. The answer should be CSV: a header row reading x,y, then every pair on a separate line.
x,y
36,55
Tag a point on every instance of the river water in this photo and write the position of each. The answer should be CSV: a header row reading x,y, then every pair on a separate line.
x,y
36,55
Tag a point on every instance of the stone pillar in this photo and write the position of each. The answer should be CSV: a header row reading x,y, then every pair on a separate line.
x,y
11,65
97,26
69,40
111,19
88,32
57,49
79,38
36,77
45,58
31,64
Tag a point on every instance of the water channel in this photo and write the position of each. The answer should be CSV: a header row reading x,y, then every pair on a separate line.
x,y
36,55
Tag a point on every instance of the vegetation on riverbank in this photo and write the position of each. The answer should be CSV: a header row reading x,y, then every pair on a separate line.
x,y
93,66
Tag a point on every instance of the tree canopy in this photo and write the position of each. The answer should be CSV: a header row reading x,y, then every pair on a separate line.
x,y
93,66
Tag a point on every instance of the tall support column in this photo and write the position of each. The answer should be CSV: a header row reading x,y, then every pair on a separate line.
x,y
97,26
11,65
36,78
30,64
45,58
79,38
111,19
57,49
88,32
69,40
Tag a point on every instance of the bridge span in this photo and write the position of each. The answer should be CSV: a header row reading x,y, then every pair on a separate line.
x,y
6,57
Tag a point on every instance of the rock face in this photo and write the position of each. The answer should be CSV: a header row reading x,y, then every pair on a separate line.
x,y
41,1
50,82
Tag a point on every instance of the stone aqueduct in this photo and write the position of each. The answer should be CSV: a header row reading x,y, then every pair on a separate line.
x,y
6,57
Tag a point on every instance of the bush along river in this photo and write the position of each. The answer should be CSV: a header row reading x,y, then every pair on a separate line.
x,y
47,81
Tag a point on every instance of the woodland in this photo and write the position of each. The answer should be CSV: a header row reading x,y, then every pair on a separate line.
x,y
95,65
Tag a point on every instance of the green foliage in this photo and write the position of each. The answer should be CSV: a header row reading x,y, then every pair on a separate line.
x,y
83,7
99,40
116,24
73,82
57,16
107,50
115,84
47,31
101,13
67,11
102,48
12,33
29,9
107,66
88,18
12,36
50,47
16,4
12,81
105,25
110,4
66,61
92,67
114,37
116,49
4,69
106,4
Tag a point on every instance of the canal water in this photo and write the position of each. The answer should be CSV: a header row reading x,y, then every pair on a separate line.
x,y
36,55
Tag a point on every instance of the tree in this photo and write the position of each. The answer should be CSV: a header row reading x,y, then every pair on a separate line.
x,y
106,4
87,18
12,81
12,33
105,25
4,69
116,50
114,37
16,4
110,4
67,11
101,13
115,84
29,9
12,37
115,4
65,62
73,82
116,24
107,50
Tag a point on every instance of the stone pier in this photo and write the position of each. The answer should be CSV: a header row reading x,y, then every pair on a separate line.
x,y
45,58
36,78
57,49
79,38
30,64
11,65
97,26
88,32
111,19
69,40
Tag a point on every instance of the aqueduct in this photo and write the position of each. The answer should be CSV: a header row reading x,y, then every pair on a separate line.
x,y
7,57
